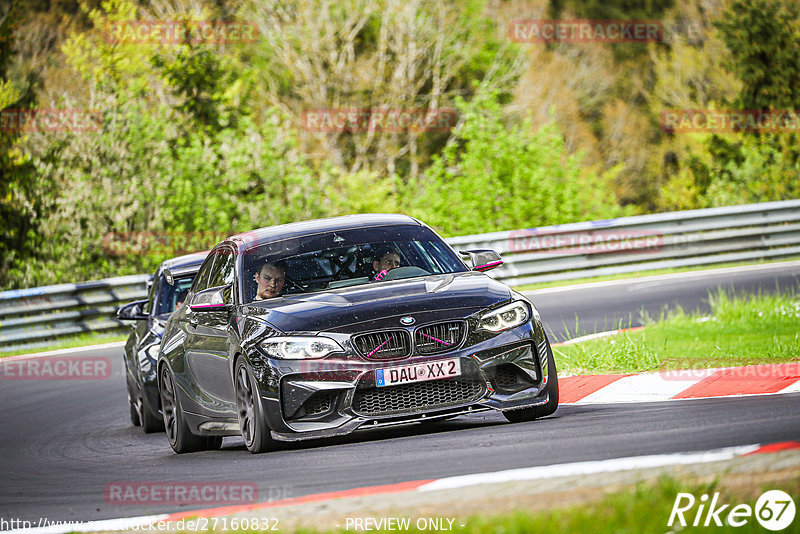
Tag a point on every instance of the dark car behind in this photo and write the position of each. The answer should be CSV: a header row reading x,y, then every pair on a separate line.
x,y
141,349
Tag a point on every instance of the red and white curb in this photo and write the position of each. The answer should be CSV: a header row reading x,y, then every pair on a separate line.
x,y
681,384
511,475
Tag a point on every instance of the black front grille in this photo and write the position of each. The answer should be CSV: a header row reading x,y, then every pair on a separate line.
x,y
419,395
385,345
440,337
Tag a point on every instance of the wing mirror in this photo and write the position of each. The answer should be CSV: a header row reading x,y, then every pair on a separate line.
x,y
213,299
132,311
483,259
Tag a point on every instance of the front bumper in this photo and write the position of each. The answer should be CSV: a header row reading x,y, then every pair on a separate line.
x,y
331,397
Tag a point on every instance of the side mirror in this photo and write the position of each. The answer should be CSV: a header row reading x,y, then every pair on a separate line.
x,y
484,259
213,299
168,276
132,311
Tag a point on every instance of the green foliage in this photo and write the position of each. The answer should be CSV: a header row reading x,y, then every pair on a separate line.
x,y
493,176
764,39
20,198
194,164
735,169
205,140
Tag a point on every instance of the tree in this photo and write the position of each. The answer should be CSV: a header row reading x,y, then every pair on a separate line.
x,y
20,201
496,176
764,39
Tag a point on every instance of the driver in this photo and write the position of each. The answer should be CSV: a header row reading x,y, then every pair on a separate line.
x,y
270,279
385,260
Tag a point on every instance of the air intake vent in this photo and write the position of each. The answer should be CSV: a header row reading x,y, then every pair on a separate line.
x,y
440,337
509,378
428,395
385,345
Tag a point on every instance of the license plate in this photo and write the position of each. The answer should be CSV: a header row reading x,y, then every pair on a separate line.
x,y
418,372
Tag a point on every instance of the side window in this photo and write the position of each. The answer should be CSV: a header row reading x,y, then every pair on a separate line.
x,y
201,282
222,273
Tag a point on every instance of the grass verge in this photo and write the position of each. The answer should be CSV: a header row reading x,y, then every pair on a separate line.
x,y
654,272
68,342
641,509
743,330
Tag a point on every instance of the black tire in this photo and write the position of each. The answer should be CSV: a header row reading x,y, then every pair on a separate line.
x,y
550,407
180,438
150,422
134,408
254,428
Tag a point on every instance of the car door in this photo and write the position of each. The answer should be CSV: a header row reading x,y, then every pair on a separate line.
x,y
207,343
139,332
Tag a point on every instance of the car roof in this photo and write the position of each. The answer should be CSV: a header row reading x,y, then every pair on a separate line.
x,y
318,226
181,262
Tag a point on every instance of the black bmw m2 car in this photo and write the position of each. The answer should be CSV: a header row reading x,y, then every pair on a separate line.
x,y
319,328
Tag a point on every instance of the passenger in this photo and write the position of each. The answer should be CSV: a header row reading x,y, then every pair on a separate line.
x,y
180,296
270,279
385,260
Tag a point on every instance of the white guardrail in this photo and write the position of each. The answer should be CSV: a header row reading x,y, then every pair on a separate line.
x,y
30,317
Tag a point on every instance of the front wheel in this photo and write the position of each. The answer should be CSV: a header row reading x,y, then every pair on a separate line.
x,y
549,408
180,437
251,418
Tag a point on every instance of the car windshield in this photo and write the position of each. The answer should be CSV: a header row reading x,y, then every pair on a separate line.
x,y
348,258
170,297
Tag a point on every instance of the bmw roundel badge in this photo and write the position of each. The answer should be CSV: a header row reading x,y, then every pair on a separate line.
x,y
408,320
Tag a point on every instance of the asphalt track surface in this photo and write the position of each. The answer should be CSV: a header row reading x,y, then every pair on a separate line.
x,y
62,442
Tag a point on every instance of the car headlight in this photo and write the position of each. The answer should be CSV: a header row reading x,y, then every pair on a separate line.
x,y
300,348
505,317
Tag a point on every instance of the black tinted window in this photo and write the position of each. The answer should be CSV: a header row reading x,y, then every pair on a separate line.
x,y
346,258
172,296
222,273
201,282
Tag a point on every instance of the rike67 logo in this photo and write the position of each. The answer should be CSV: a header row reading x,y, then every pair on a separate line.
x,y
774,510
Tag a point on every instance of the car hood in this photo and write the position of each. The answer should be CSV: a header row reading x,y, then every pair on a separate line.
x,y
379,305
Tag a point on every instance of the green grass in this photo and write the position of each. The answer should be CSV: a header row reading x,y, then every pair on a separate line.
x,y
654,272
642,509
78,340
743,330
